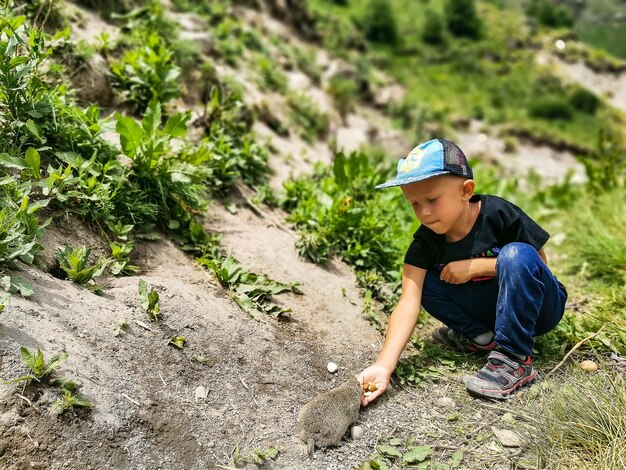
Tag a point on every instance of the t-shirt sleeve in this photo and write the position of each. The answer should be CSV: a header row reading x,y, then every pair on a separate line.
x,y
521,228
420,252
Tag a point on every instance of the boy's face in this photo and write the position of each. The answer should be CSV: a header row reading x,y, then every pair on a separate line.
x,y
439,202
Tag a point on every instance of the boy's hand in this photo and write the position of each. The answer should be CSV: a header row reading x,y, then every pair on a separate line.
x,y
458,272
374,374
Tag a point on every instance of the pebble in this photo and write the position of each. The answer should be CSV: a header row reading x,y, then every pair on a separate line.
x,y
446,402
507,438
201,392
332,367
357,432
589,366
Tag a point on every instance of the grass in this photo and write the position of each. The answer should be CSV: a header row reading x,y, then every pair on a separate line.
x,y
580,422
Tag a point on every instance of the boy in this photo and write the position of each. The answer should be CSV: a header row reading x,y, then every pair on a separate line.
x,y
477,264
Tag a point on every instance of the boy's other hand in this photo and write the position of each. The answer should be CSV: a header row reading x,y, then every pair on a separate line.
x,y
374,374
459,272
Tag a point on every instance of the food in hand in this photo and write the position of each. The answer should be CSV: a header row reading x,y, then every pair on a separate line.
x,y
369,387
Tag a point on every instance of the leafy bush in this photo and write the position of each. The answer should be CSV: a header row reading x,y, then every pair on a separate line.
x,y
462,18
306,115
75,263
272,78
344,93
145,73
433,27
338,212
40,369
251,291
379,23
549,14
167,178
583,100
551,108
69,401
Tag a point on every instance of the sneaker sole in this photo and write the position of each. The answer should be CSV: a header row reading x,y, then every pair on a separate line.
x,y
500,394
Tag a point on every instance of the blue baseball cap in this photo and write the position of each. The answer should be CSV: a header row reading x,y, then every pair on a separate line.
x,y
433,158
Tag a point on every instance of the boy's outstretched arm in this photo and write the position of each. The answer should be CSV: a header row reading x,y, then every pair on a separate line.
x,y
401,325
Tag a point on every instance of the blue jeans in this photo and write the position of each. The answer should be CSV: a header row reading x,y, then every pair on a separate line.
x,y
524,300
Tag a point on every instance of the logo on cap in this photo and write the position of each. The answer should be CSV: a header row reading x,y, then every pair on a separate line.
x,y
413,160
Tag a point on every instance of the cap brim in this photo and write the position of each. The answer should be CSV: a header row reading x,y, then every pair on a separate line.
x,y
414,179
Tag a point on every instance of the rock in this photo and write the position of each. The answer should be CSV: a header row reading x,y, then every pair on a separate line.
x,y
201,392
384,96
357,432
445,402
507,438
589,366
332,367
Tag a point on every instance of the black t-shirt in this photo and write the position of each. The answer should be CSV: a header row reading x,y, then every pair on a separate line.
x,y
499,222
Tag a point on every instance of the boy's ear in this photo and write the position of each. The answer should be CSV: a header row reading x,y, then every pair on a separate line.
x,y
468,189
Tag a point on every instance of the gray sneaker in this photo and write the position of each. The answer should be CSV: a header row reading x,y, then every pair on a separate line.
x,y
459,342
501,377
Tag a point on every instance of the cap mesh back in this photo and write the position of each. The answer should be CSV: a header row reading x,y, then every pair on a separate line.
x,y
455,160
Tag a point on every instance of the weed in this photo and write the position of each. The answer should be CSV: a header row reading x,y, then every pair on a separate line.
x,y
178,341
344,93
252,292
272,78
121,327
4,301
147,73
69,401
149,300
305,114
166,178
580,422
75,263
257,456
121,260
40,369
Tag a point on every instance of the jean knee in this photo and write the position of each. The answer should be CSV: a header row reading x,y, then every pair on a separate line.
x,y
516,254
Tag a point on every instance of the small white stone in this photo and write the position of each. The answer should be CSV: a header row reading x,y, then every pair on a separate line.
x,y
357,432
332,367
201,392
508,438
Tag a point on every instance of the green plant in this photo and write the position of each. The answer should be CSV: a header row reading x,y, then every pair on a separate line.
x,y
272,78
121,327
251,291
147,73
379,22
579,422
166,178
178,341
344,93
550,108
462,18
4,301
583,100
40,368
549,14
433,28
75,263
69,401
121,259
313,123
149,300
